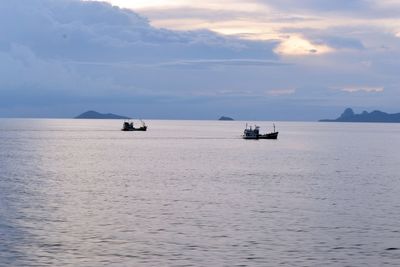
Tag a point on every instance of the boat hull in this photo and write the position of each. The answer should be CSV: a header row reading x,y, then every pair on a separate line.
x,y
269,136
134,129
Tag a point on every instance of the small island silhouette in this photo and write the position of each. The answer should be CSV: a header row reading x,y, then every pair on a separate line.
x,y
225,118
375,116
96,115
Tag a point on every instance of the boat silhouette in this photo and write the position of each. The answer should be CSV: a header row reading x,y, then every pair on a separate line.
x,y
129,126
251,133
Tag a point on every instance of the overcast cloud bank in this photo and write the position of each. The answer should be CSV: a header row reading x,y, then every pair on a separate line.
x,y
58,58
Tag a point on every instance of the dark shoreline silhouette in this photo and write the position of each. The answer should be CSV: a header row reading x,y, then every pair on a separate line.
x,y
375,116
96,115
225,118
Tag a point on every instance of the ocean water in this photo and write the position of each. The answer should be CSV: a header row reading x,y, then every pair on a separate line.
x,y
193,193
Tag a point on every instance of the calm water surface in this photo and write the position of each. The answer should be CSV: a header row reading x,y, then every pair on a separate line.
x,y
192,193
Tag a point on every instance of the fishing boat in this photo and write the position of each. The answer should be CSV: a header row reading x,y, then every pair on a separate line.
x,y
129,126
251,133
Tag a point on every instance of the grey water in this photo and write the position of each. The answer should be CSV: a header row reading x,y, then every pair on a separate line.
x,y
193,193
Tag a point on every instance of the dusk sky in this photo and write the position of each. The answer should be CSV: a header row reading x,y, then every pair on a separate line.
x,y
254,59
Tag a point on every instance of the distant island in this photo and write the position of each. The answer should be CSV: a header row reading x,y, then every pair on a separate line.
x,y
96,115
375,116
224,118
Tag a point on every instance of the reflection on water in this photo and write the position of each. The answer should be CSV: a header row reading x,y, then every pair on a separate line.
x,y
189,193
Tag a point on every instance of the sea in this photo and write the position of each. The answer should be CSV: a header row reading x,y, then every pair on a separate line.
x,y
194,193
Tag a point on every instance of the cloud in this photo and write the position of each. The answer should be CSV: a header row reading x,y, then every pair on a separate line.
x,y
318,5
366,89
342,8
280,92
70,29
89,50
75,31
58,58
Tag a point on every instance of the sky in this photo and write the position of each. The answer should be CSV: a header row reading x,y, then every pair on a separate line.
x,y
251,60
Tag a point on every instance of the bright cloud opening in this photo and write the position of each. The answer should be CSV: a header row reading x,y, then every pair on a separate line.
x,y
299,46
